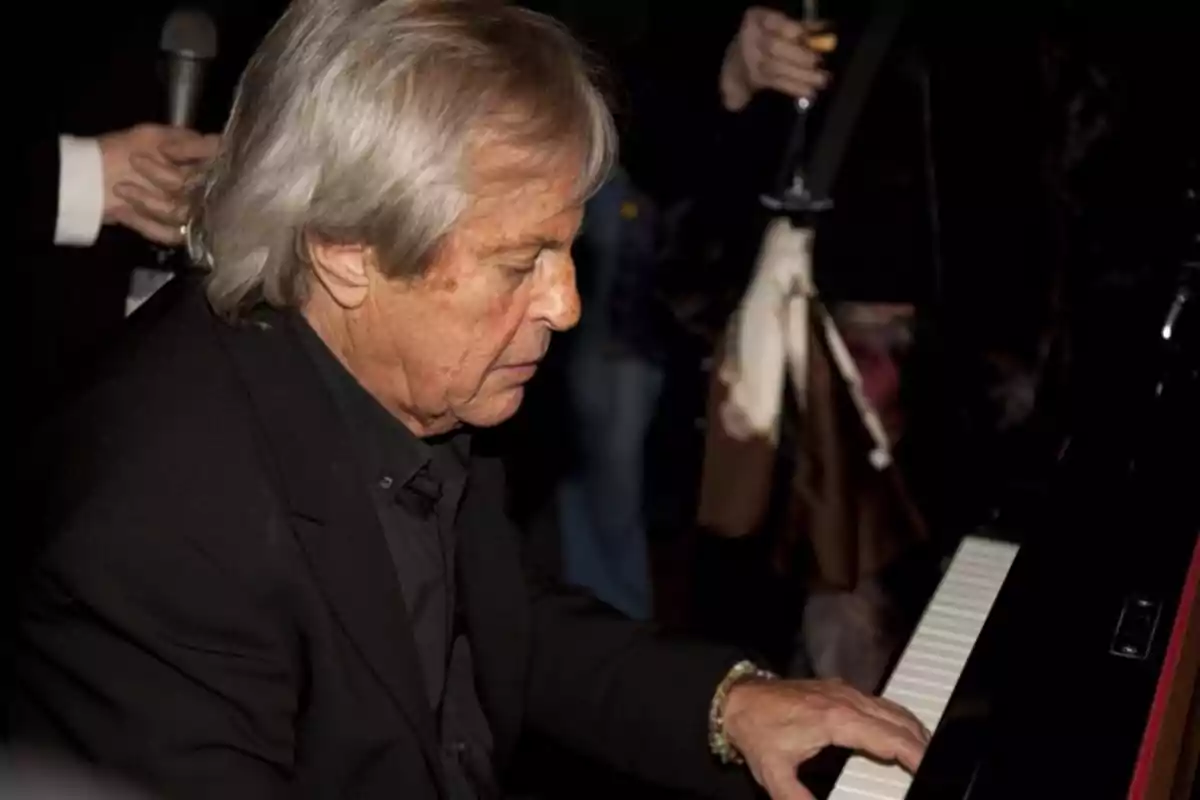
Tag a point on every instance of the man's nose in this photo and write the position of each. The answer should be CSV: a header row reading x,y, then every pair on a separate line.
x,y
557,303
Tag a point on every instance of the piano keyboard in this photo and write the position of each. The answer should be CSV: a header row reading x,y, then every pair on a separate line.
x,y
927,672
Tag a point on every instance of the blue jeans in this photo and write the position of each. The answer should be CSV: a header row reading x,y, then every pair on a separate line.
x,y
614,395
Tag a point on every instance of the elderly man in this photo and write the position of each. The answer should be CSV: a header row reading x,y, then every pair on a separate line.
x,y
278,568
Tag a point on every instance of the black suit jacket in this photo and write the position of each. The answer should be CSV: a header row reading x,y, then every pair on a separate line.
x,y
216,614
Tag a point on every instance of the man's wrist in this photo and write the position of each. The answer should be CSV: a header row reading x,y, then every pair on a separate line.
x,y
718,739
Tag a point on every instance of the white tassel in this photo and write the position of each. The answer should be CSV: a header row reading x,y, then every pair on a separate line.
x,y
768,337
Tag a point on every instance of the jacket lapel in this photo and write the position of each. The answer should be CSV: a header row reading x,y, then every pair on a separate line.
x,y
330,510
495,606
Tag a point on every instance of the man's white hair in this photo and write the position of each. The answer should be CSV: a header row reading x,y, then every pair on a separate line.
x,y
359,122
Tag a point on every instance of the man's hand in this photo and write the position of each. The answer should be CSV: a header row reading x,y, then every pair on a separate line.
x,y
778,725
770,51
147,170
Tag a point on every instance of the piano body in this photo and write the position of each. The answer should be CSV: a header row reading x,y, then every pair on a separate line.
x,y
1059,655
1061,663
1087,690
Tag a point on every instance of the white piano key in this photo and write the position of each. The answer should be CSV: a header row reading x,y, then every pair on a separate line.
x,y
933,660
967,615
935,650
879,774
914,682
860,792
930,660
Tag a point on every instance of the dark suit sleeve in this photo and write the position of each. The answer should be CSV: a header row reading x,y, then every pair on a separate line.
x,y
621,693
617,691
37,189
142,651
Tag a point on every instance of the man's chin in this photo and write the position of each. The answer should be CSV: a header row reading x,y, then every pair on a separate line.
x,y
499,408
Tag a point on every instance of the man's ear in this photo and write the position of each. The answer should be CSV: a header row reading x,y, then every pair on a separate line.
x,y
343,269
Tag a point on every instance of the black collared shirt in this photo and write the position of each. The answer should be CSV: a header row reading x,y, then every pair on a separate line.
x,y
416,487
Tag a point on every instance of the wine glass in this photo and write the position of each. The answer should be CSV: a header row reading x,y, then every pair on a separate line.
x,y
791,185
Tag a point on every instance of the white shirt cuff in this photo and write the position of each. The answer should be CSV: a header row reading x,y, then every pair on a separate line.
x,y
80,192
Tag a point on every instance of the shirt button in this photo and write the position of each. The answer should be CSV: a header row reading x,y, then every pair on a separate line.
x,y
385,482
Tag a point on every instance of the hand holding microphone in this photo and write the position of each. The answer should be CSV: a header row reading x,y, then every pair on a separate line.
x,y
147,170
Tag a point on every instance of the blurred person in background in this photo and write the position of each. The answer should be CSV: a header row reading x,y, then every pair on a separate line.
x,y
614,480
614,366
838,524
614,375
852,549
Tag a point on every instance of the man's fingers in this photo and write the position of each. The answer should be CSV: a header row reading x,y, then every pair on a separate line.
x,y
150,228
898,716
777,24
796,85
787,52
901,745
150,203
903,716
779,779
910,757
788,67
190,147
167,178
150,214
881,738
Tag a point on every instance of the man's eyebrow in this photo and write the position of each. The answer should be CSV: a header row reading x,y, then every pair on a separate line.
x,y
528,244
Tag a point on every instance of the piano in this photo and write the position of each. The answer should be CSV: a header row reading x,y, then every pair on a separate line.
x,y
1081,694
1059,654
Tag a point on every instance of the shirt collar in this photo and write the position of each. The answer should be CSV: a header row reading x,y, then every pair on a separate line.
x,y
388,449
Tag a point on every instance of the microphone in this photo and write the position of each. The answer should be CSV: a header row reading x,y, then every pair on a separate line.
x,y
189,42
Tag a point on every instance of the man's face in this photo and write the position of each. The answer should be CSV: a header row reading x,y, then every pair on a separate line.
x,y
457,345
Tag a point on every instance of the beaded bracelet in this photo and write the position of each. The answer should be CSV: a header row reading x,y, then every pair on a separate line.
x,y
718,742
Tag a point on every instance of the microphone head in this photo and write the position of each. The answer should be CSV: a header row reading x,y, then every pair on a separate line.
x,y
191,33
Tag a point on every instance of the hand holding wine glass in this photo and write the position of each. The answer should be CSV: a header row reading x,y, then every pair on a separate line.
x,y
772,51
